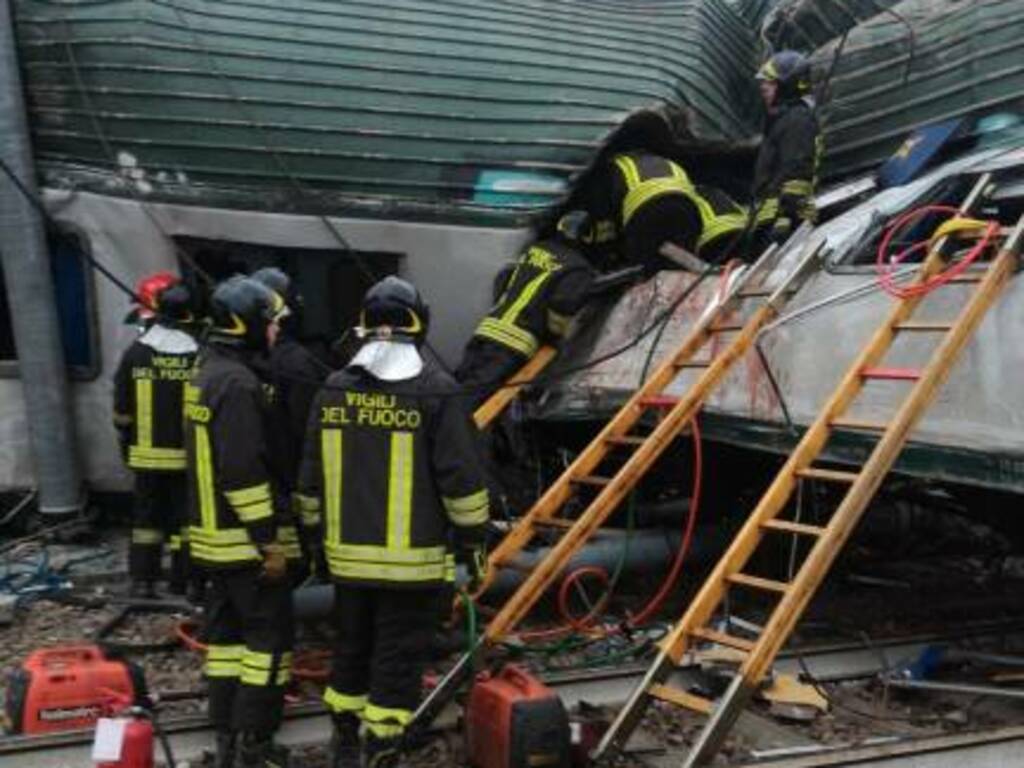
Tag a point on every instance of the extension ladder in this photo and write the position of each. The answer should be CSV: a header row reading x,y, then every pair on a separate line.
x,y
758,649
498,402
642,450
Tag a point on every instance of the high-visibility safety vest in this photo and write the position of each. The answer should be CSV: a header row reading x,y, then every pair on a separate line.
x,y
231,496
149,387
642,178
546,288
391,472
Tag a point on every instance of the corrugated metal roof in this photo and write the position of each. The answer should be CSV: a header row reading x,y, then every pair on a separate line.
x,y
444,106
960,59
809,24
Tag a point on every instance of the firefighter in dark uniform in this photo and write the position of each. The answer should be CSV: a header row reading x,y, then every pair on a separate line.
x,y
536,300
786,171
393,460
291,377
237,535
640,201
149,387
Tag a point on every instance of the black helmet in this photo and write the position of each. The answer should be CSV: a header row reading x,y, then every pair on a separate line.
x,y
791,70
280,283
576,227
393,309
174,304
241,309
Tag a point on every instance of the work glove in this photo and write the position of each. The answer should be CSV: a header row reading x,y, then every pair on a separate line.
x,y
782,228
275,564
474,557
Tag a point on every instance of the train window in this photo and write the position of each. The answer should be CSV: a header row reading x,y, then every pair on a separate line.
x,y
331,282
72,286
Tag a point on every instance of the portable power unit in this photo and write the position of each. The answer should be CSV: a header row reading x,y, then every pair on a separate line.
x,y
515,721
67,687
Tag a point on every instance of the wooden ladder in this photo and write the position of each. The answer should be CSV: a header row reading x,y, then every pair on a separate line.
x,y
498,402
758,649
617,439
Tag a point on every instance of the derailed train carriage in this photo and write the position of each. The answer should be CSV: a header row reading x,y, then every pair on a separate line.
x,y
343,141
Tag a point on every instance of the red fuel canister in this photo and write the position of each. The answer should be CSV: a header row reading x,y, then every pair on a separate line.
x,y
515,721
137,745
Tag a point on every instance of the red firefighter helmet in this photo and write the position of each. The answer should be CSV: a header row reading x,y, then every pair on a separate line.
x,y
147,294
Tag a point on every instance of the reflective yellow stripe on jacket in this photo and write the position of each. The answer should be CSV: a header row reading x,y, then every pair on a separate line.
x,y
641,192
508,335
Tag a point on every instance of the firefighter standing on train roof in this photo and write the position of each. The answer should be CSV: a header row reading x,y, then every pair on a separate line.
x,y
149,387
536,301
786,171
291,376
392,458
639,201
237,535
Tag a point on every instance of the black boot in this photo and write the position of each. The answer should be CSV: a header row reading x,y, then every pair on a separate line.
x,y
224,754
345,742
260,751
382,753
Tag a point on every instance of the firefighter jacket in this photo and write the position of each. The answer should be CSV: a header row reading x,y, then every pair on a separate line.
x,y
392,471
291,377
787,164
232,510
149,387
547,287
638,179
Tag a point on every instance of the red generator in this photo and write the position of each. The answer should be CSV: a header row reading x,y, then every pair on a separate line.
x,y
515,721
62,688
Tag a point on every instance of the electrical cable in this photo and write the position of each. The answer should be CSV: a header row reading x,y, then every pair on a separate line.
x,y
884,264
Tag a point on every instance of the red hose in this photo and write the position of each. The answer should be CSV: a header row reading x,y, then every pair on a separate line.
x,y
654,604
885,266
583,623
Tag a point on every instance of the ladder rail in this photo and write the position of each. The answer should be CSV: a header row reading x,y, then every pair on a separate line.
x,y
498,402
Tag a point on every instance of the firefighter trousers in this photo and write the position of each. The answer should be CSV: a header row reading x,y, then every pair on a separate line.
x,y
485,366
158,517
249,632
383,637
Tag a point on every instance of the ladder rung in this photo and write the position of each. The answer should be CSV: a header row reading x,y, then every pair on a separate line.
x,y
591,480
659,401
966,279
681,698
725,328
512,565
693,364
891,374
790,527
833,475
751,293
917,325
554,522
625,440
871,426
756,582
714,636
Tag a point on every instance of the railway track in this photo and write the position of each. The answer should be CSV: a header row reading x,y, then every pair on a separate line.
x,y
307,724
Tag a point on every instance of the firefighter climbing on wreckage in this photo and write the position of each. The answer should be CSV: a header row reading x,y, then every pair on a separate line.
x,y
640,201
238,534
786,171
536,300
149,387
391,455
